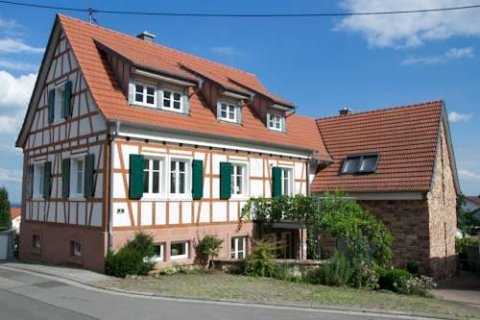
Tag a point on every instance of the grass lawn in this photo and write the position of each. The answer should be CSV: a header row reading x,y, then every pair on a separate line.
x,y
221,286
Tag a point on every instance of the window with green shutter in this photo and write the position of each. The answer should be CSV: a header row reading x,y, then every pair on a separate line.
x,y
137,163
47,179
89,190
197,179
67,100
225,180
31,169
66,178
51,105
276,182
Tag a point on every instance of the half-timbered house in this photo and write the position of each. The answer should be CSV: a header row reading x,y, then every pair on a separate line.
x,y
123,134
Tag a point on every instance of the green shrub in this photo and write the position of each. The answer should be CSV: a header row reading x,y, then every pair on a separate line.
x,y
207,249
420,286
393,279
5,220
337,272
261,261
412,267
127,261
168,271
363,276
284,272
143,244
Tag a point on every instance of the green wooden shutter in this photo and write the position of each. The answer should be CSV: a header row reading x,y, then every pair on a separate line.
x,y
47,179
51,105
276,182
197,179
66,178
137,164
89,190
67,100
31,169
225,180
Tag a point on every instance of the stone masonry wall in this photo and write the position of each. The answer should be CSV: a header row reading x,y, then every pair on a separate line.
x,y
442,214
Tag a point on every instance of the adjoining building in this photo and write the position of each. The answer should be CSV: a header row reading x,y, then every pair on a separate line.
x,y
123,134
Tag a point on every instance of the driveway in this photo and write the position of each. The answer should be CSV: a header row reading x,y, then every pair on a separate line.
x,y
27,295
464,288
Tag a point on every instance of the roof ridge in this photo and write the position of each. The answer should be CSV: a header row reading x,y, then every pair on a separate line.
x,y
157,44
420,104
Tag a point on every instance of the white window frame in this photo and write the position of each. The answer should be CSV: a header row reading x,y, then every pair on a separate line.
x,y
76,251
144,93
180,256
38,180
289,178
234,254
274,118
172,92
157,258
188,177
245,181
162,178
58,103
74,194
229,106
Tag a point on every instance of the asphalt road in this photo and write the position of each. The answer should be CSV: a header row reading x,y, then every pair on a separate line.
x,y
33,296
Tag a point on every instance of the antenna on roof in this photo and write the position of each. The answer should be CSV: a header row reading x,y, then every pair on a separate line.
x,y
91,18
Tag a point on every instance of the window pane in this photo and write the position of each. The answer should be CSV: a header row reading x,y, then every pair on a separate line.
x,y
150,100
351,165
176,105
166,94
150,91
239,185
176,96
181,166
178,249
173,183
223,114
155,182
369,163
182,183
156,164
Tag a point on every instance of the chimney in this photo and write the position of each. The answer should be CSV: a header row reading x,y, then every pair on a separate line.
x,y
146,36
345,111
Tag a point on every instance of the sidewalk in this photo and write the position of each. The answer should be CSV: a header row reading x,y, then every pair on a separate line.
x,y
464,288
82,276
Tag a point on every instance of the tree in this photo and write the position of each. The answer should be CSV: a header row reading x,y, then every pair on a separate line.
x,y
208,248
5,221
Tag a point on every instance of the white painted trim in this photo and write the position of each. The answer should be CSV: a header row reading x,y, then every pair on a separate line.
x,y
164,78
188,178
143,134
246,180
235,95
186,244
388,196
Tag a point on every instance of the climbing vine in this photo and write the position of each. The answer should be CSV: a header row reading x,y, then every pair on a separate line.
x,y
366,237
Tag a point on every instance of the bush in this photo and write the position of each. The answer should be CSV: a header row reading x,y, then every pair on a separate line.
x,y
261,261
337,272
412,267
127,261
5,220
143,244
394,279
207,249
363,276
284,272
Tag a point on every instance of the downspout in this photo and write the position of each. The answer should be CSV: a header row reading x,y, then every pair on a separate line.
x,y
112,137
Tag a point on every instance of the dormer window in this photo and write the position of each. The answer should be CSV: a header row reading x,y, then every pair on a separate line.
x,y
366,163
227,111
172,100
275,121
145,95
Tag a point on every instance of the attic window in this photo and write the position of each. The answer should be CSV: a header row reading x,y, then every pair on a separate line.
x,y
366,163
275,121
228,111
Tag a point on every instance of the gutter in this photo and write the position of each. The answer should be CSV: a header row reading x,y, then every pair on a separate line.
x,y
112,137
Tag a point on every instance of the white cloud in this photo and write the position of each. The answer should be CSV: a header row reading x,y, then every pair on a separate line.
x,y
15,91
451,54
7,175
227,51
469,175
17,65
7,24
9,45
409,30
459,117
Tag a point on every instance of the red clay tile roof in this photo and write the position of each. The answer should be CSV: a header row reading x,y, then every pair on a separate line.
x,y
301,131
474,199
15,212
405,137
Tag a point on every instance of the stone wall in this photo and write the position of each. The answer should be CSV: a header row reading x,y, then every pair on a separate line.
x,y
442,201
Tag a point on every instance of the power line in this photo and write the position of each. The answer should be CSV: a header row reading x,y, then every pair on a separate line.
x,y
90,11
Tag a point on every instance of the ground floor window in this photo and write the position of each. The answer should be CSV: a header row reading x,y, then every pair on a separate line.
x,y
238,248
75,248
159,249
36,241
179,250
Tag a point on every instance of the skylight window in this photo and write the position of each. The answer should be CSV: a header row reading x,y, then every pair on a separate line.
x,y
366,163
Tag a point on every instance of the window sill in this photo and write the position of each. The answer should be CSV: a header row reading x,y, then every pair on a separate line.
x,y
77,198
182,257
38,198
151,198
180,198
239,197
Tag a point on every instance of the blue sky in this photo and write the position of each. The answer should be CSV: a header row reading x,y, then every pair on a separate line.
x,y
321,64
